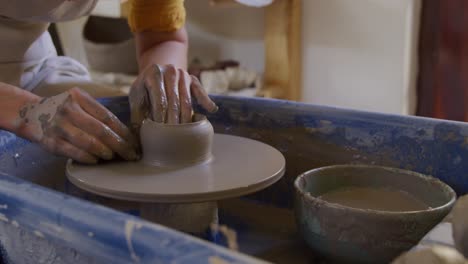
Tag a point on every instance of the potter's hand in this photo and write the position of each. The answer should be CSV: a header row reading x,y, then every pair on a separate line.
x,y
74,125
163,94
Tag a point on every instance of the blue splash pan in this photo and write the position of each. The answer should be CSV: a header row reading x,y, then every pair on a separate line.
x,y
45,219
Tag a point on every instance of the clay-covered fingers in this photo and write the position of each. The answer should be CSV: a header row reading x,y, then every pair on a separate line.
x,y
82,140
139,105
98,122
102,137
66,149
185,98
164,94
102,114
202,96
171,82
156,91
86,130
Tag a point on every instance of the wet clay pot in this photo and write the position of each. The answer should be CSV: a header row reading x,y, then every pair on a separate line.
x,y
177,145
352,235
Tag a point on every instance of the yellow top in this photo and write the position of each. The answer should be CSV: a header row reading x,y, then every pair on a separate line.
x,y
156,15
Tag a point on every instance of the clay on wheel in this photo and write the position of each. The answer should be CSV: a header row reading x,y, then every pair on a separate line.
x,y
184,163
176,145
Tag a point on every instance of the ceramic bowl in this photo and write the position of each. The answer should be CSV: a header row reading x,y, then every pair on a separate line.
x,y
350,235
167,145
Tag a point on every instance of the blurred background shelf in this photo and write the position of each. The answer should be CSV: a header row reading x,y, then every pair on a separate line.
x,y
278,25
328,52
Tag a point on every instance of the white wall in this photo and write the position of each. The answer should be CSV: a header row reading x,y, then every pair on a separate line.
x,y
356,53
360,54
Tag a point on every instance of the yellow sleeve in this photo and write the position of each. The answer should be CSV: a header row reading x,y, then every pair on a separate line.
x,y
156,15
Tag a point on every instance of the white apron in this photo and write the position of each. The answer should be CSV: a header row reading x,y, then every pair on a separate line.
x,y
28,58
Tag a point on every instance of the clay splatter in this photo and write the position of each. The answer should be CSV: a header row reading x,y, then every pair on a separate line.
x,y
3,218
53,227
44,120
129,227
23,111
39,234
230,234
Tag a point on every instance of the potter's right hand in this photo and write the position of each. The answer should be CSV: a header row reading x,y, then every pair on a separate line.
x,y
164,95
74,125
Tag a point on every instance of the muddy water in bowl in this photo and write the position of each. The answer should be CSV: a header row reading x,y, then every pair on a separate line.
x,y
382,199
367,214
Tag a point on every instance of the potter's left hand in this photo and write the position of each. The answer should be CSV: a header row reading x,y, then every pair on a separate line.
x,y
163,94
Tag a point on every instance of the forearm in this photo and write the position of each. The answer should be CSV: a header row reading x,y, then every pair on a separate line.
x,y
162,49
12,100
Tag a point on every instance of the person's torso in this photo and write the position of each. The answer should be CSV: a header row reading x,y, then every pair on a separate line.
x,y
23,30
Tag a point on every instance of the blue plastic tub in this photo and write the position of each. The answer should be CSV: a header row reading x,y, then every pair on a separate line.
x,y
44,219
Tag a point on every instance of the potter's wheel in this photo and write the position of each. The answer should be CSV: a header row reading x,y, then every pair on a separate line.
x,y
239,166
